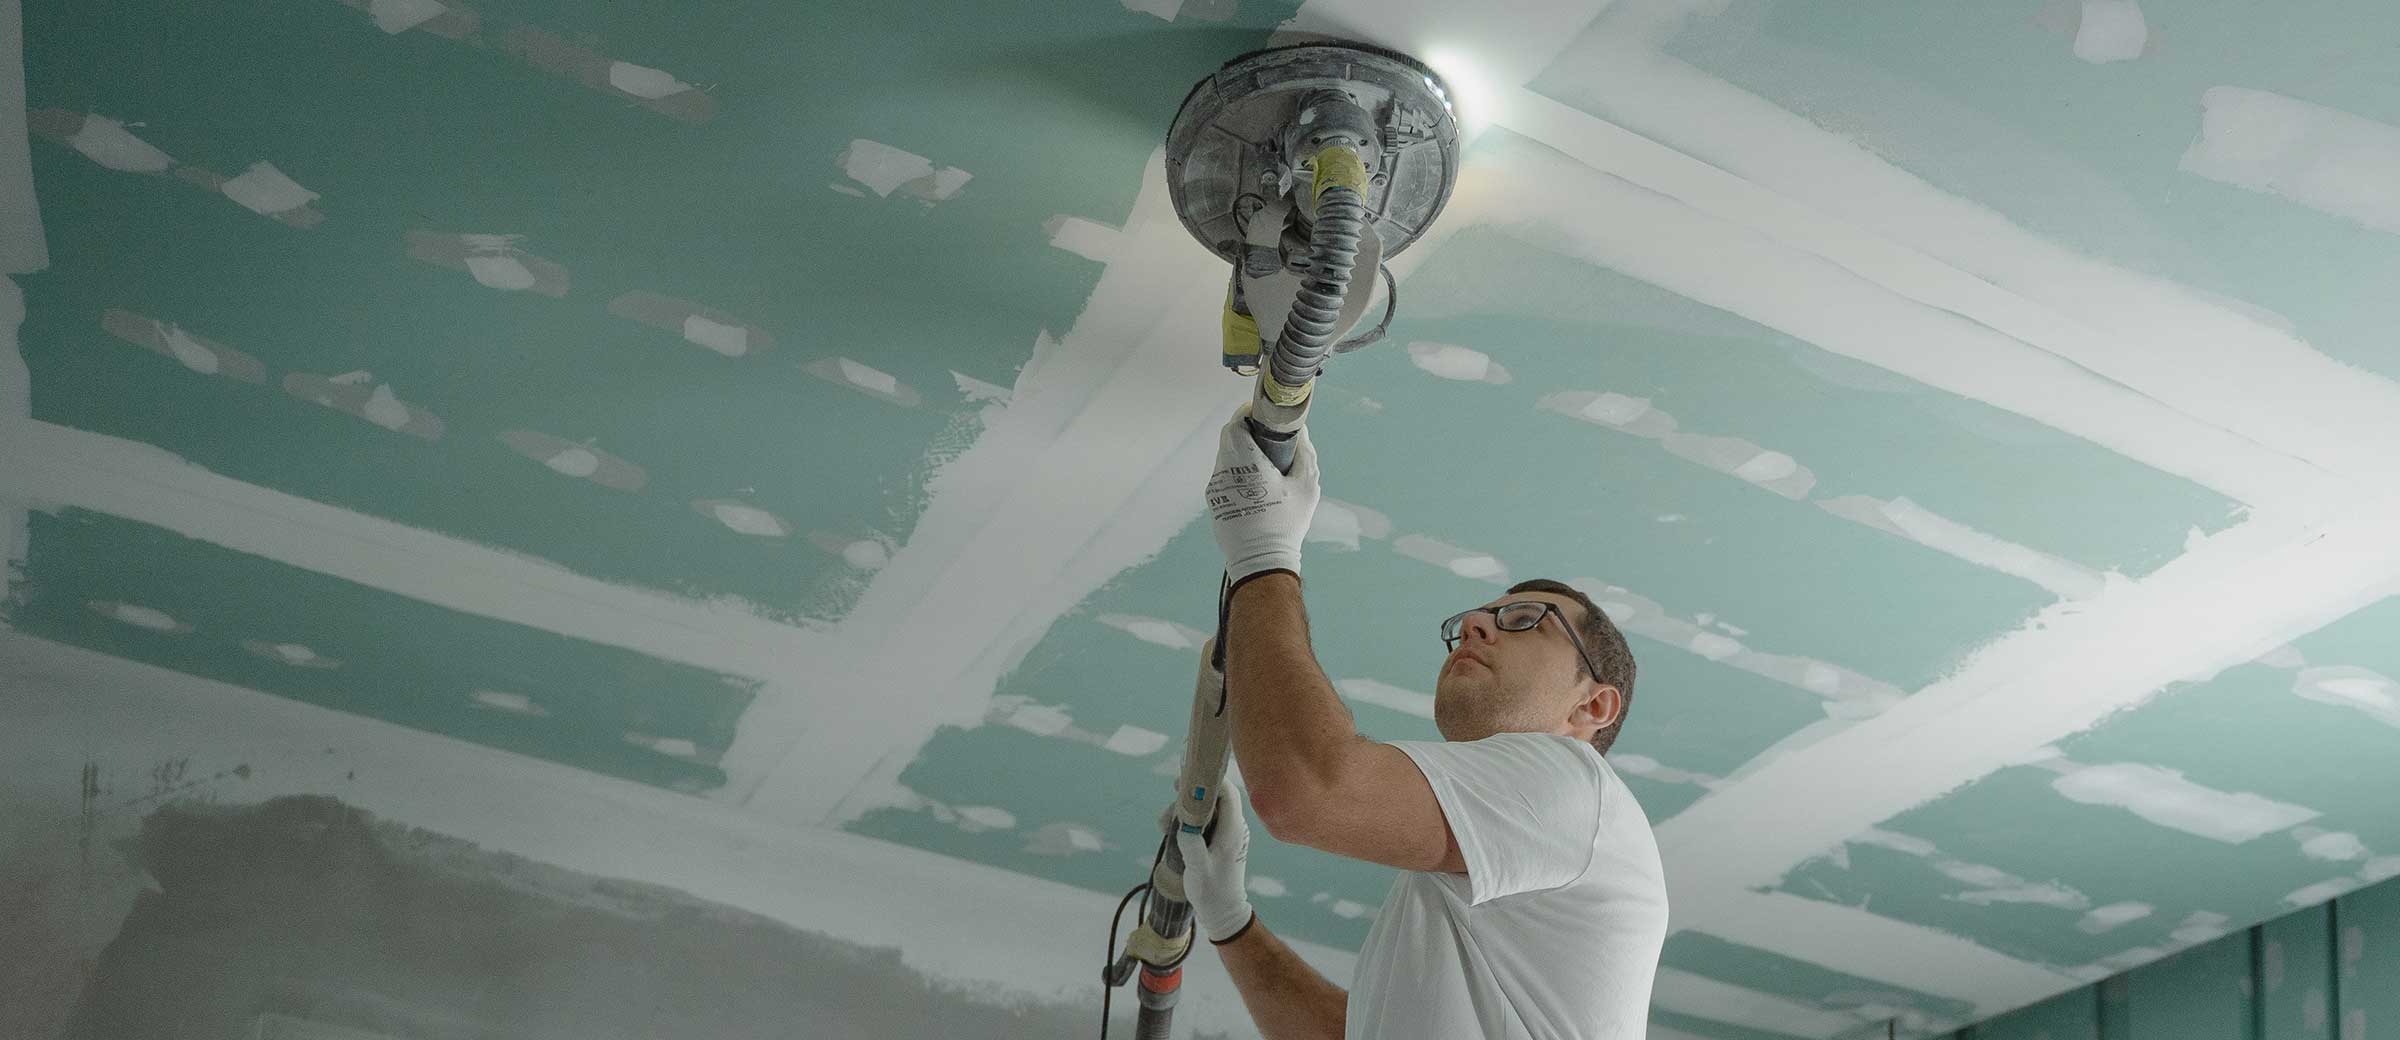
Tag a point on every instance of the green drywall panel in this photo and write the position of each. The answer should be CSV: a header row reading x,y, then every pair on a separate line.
x,y
1988,102
374,653
2272,981
2116,1008
1558,324
2073,1015
2295,975
2368,638
743,211
2367,961
1797,980
2014,821
1712,1029
2202,993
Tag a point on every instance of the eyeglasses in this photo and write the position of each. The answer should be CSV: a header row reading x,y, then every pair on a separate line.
x,y
1521,616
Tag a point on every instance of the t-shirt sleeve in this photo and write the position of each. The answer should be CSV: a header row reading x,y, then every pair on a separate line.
x,y
1525,807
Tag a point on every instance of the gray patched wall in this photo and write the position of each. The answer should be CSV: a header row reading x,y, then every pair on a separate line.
x,y
302,916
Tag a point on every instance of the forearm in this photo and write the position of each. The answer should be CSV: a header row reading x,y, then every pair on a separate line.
x,y
1287,999
1288,723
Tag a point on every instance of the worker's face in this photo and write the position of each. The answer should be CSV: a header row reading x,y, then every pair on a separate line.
x,y
1533,681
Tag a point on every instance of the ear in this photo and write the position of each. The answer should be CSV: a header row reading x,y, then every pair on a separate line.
x,y
1602,705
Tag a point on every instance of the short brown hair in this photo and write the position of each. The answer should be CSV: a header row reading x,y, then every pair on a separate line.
x,y
1611,659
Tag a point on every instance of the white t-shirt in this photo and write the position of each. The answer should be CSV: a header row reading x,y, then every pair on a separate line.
x,y
1553,932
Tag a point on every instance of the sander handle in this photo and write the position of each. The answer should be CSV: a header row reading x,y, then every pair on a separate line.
x,y
1276,427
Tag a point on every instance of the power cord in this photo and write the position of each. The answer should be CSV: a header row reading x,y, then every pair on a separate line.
x,y
1391,302
1108,987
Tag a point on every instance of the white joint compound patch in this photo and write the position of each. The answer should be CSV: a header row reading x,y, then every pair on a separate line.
x,y
2200,926
511,702
2164,797
577,461
1652,769
500,271
1135,741
987,816
2329,846
866,554
742,517
139,616
2322,891
1088,239
1902,517
1462,562
643,81
729,340
2109,918
1156,630
977,391
2322,158
2368,692
385,409
868,378
1772,470
1849,695
1343,524
399,16
865,379
1454,362
2112,30
265,190
107,142
885,169
1386,695
294,655
190,351
1164,9
1047,720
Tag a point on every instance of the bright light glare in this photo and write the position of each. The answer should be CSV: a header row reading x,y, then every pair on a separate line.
x,y
1472,97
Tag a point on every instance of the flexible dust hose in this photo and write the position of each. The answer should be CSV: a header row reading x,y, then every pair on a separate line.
x,y
1281,404
1308,332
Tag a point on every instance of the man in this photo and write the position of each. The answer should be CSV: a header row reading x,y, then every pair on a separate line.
x,y
1531,904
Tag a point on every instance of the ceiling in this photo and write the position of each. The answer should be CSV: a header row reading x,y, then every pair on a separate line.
x,y
1980,416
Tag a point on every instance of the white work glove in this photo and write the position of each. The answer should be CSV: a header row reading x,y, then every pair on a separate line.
x,y
1214,872
1261,515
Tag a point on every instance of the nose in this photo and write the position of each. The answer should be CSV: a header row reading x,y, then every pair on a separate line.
x,y
1479,627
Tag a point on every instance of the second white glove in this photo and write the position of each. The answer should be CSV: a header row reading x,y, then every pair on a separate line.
x,y
1215,872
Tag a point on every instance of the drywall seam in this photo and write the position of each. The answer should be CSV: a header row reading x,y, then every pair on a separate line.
x,y
22,248
1610,197
1905,519
1868,945
22,251
2323,158
68,706
1732,456
1700,996
1089,468
1842,202
262,188
53,467
2065,670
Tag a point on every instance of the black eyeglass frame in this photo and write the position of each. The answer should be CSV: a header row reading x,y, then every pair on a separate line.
x,y
1457,623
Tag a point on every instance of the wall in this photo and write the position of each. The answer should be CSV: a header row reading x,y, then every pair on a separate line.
x,y
675,893
2331,971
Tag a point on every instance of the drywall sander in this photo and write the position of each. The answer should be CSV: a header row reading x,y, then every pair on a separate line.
x,y
1302,166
